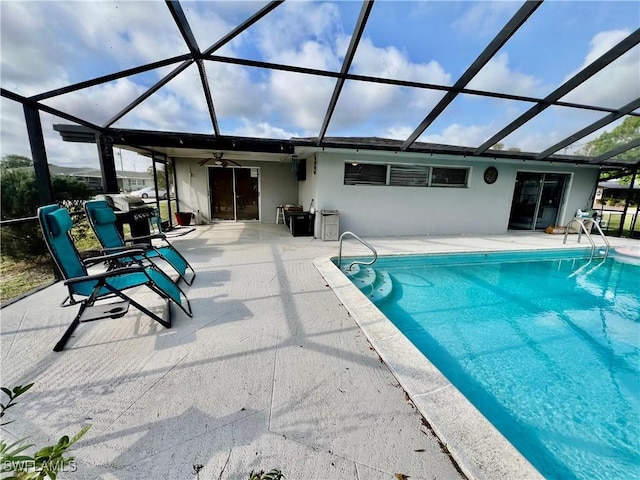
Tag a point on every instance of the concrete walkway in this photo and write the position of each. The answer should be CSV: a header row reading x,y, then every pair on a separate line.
x,y
271,372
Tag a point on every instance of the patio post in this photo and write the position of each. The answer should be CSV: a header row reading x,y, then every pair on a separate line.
x,y
107,163
628,199
39,153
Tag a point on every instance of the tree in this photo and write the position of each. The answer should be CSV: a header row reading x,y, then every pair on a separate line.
x,y
161,176
624,133
19,199
15,161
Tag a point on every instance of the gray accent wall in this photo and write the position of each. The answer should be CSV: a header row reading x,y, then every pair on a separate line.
x,y
277,187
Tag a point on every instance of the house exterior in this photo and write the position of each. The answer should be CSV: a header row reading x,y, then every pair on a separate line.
x,y
128,181
388,193
613,193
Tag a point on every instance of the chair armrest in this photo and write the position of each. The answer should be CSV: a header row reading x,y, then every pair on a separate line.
x,y
114,256
153,236
142,246
110,273
115,249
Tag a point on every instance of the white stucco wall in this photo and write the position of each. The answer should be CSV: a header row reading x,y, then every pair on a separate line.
x,y
276,183
478,209
389,210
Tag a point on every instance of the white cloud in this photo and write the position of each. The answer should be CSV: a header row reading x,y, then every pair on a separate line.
x,y
261,130
97,104
299,100
458,134
601,44
497,76
484,19
30,62
362,100
89,39
389,62
398,132
126,31
13,132
297,23
618,83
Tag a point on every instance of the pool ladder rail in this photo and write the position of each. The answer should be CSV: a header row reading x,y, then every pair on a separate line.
x,y
582,229
357,262
375,284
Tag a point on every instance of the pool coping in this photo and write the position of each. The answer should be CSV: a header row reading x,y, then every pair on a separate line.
x,y
479,449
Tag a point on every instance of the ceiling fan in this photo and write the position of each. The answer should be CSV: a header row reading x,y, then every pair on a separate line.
x,y
218,160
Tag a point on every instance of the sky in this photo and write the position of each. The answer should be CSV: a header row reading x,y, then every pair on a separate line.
x,y
49,44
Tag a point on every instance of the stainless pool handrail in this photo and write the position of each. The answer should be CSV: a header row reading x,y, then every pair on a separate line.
x,y
583,228
602,235
369,246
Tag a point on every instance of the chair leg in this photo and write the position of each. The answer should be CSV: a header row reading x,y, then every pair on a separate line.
x,y
161,321
193,275
67,334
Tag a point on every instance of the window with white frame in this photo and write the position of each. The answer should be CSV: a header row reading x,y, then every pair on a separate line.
x,y
404,175
365,174
409,175
449,177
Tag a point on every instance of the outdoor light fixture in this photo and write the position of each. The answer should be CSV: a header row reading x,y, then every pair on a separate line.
x,y
355,164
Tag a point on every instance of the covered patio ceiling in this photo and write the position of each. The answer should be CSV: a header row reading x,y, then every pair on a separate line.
x,y
231,84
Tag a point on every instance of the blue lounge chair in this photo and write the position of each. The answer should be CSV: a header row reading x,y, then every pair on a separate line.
x,y
102,219
89,291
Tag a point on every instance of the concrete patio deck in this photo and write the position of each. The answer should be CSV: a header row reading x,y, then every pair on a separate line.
x,y
271,372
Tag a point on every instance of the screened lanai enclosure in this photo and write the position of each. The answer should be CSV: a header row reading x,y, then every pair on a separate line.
x,y
211,98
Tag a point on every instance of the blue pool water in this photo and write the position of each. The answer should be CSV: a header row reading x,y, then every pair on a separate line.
x,y
545,345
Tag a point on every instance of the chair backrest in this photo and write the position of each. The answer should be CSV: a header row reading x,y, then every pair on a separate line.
x,y
102,219
55,223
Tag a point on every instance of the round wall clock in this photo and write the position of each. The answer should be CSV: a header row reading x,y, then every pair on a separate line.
x,y
491,175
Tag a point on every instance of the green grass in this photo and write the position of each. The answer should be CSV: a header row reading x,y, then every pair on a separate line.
x,y
614,224
84,238
21,276
18,277
164,210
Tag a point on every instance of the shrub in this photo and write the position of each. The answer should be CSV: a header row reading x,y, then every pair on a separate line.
x,y
19,199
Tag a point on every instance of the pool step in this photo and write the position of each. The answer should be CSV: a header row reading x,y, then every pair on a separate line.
x,y
375,284
362,277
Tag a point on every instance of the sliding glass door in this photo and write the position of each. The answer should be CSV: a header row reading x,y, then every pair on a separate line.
x,y
537,199
233,193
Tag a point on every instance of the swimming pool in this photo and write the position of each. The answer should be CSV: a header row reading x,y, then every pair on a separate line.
x,y
544,344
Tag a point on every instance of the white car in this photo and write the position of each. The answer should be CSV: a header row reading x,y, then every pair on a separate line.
x,y
150,192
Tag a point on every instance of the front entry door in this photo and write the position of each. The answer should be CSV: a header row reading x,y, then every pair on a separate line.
x,y
233,193
536,200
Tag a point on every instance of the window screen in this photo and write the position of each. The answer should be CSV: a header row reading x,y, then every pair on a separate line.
x,y
365,174
409,175
451,177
